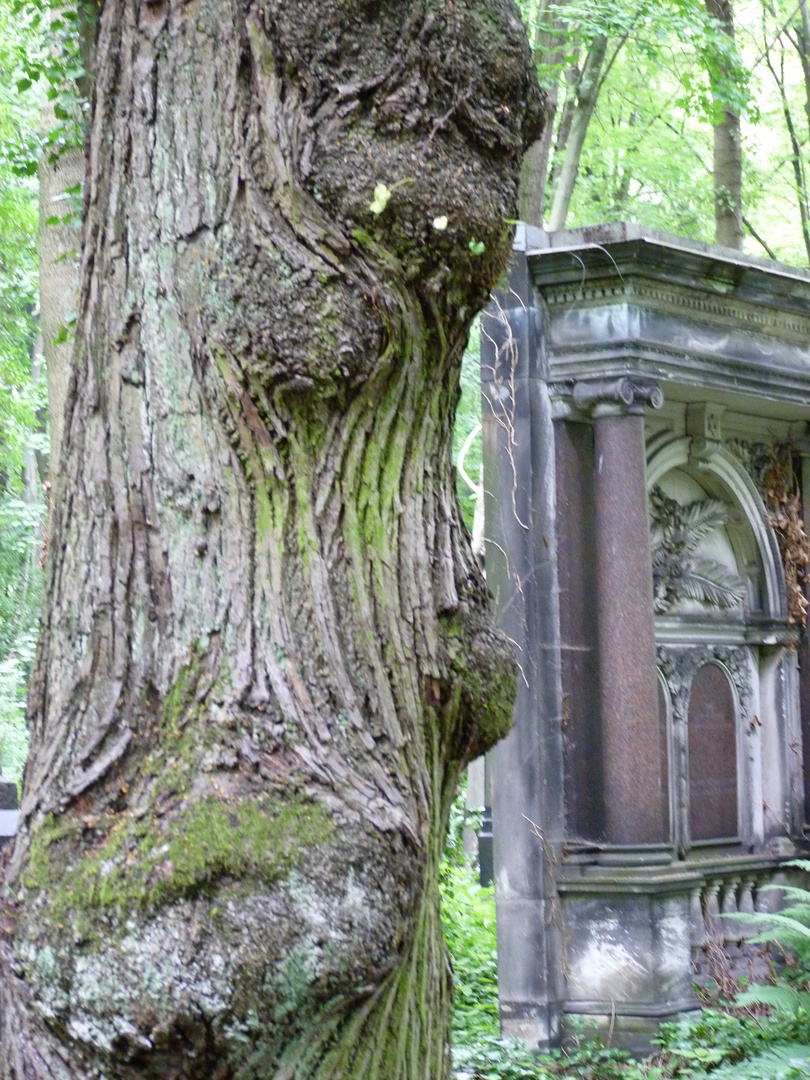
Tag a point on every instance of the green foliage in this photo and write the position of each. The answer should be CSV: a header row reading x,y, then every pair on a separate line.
x,y
669,70
22,401
491,1058
53,50
469,923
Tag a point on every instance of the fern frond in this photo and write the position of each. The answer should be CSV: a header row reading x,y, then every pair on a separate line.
x,y
784,999
776,923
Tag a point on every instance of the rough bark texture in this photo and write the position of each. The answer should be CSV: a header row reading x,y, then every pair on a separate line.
x,y
265,653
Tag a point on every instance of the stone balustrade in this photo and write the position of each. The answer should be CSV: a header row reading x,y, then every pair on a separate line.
x,y
718,906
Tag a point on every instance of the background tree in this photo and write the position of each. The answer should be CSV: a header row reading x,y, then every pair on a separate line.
x,y
265,653
727,142
591,63
779,34
22,400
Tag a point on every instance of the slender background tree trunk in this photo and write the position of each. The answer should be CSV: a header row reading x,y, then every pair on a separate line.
x,y
59,245
727,155
547,45
58,277
580,118
265,653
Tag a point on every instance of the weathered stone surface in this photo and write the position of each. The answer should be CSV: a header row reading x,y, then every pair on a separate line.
x,y
683,789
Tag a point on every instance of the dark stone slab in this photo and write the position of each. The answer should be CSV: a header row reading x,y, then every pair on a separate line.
x,y
712,728
579,644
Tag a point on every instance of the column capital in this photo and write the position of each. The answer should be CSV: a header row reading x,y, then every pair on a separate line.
x,y
617,396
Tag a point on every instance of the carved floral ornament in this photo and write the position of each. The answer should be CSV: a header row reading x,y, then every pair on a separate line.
x,y
679,667
679,571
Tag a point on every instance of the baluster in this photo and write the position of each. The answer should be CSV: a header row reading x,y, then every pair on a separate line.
x,y
732,930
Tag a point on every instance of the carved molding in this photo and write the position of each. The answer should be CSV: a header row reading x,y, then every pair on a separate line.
x,y
678,668
756,458
722,309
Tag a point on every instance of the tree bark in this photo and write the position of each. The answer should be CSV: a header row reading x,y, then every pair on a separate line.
x,y
265,653
727,154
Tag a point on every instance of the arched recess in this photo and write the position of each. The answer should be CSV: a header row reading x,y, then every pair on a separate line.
x,y
719,471
713,806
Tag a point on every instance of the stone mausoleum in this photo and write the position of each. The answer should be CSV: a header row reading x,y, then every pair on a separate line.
x,y
647,469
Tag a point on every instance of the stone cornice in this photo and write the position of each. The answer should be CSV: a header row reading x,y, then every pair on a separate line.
x,y
720,309
620,300
622,250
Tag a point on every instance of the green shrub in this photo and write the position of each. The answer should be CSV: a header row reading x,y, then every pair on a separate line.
x,y
468,914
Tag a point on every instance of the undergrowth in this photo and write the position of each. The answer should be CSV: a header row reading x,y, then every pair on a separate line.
x,y
763,1034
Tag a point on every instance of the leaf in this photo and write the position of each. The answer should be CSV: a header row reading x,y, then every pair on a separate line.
x,y
698,519
784,999
710,583
440,223
775,923
382,195
477,247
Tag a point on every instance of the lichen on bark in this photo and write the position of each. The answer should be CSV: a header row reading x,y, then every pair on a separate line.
x,y
265,635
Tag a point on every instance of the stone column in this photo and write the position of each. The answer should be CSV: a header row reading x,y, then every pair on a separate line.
x,y
527,766
634,746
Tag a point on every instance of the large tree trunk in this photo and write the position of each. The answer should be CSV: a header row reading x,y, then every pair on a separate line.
x,y
265,653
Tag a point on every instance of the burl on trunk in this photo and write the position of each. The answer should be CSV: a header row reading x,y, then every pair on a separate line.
x,y
265,653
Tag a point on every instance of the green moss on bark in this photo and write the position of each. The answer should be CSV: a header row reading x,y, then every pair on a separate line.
x,y
143,865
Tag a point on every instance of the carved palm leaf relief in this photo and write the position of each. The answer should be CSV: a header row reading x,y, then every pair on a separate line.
x,y
679,572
